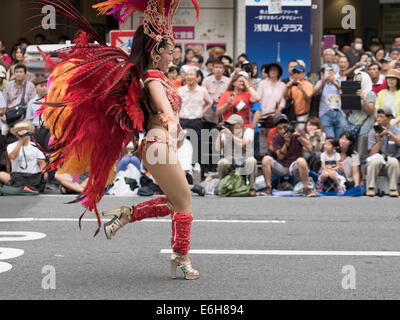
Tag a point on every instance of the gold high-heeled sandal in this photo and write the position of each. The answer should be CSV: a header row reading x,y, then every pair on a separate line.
x,y
189,272
116,222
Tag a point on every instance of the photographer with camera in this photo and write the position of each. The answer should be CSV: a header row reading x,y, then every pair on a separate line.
x,y
298,94
27,161
289,145
236,141
384,148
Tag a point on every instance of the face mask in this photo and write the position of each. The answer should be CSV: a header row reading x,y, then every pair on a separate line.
x,y
358,46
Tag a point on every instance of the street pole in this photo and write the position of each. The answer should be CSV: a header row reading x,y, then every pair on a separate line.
x,y
317,30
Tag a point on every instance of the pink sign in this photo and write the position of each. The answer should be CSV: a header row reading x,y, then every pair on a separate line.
x,y
184,33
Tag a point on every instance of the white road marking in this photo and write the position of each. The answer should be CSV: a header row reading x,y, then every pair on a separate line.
x,y
4,267
20,236
293,253
148,220
10,253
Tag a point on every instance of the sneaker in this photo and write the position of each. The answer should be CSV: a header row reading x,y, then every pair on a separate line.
x,y
199,190
309,193
266,192
340,190
320,188
394,193
371,192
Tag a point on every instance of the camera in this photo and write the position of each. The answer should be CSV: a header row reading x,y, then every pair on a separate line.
x,y
25,134
378,129
290,129
295,84
223,126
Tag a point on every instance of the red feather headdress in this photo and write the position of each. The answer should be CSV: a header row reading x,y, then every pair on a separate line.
x,y
158,15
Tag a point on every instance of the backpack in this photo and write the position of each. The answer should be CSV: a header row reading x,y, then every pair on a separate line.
x,y
233,185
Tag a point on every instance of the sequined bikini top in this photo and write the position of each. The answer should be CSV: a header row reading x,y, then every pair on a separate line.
x,y
171,90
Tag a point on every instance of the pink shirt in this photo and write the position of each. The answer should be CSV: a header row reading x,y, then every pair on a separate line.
x,y
215,89
272,96
193,102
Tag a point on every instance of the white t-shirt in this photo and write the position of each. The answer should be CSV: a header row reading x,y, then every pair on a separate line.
x,y
331,161
27,163
240,155
185,156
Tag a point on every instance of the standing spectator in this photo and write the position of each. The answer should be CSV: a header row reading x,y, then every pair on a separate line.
x,y
13,94
236,141
255,117
390,97
195,103
208,71
301,91
271,92
394,54
177,57
378,79
42,135
189,54
330,108
329,57
288,145
354,54
291,66
364,117
330,163
198,61
20,60
396,43
238,99
242,58
3,78
3,53
349,160
379,55
173,73
215,85
254,75
385,62
384,147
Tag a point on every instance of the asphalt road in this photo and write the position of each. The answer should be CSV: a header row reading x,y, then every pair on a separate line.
x,y
309,236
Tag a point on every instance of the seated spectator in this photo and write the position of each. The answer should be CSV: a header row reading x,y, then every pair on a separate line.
x,y
20,59
69,185
365,117
379,55
289,145
177,57
394,54
330,163
330,107
301,91
236,141
316,135
27,161
384,148
390,97
185,156
238,99
349,160
129,158
378,79
209,67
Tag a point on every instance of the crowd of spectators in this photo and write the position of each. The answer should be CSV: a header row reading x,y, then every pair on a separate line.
x,y
297,134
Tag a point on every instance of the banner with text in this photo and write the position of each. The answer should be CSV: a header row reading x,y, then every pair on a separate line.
x,y
278,31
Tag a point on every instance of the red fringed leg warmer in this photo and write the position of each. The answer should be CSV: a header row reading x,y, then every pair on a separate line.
x,y
151,209
181,226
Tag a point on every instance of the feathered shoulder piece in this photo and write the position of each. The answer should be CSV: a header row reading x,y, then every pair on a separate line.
x,y
92,109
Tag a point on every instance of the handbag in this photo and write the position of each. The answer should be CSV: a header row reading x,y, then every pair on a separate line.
x,y
354,129
17,113
289,110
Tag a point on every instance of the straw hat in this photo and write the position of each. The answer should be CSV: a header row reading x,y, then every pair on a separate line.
x,y
22,126
393,73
